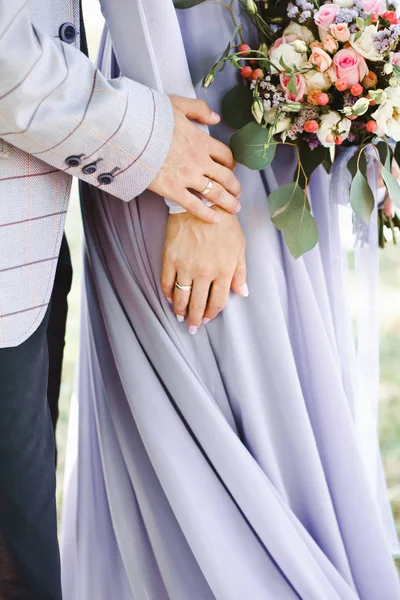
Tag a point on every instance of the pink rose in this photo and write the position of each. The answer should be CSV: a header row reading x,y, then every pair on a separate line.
x,y
285,39
325,17
320,59
395,59
340,31
350,66
373,6
300,84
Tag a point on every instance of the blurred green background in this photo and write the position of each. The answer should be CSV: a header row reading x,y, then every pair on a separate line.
x,y
390,330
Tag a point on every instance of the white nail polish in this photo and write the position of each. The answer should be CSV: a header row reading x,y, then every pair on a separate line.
x,y
245,290
180,319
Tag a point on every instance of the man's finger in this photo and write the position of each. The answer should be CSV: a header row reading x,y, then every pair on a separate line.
x,y
196,207
198,303
239,285
196,110
218,299
225,177
219,196
221,153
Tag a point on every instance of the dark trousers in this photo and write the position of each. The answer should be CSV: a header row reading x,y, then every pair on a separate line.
x,y
29,555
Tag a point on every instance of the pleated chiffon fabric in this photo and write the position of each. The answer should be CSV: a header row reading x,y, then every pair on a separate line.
x,y
221,466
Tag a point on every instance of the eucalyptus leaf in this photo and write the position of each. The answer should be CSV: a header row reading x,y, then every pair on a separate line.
x,y
311,160
355,163
236,106
397,153
385,154
187,3
361,197
250,147
301,232
283,200
392,186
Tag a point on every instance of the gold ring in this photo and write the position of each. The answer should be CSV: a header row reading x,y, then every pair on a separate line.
x,y
208,188
183,288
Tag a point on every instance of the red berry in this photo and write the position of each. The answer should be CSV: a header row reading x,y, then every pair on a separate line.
x,y
356,89
246,72
311,126
329,139
352,117
253,62
339,140
323,99
374,17
258,74
245,49
371,126
341,85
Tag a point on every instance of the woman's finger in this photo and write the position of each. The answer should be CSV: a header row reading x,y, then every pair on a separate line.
x,y
198,303
239,285
218,299
168,277
182,296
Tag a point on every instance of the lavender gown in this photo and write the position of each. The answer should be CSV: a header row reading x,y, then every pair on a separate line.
x,y
225,465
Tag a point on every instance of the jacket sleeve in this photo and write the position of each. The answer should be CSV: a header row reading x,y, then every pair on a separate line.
x,y
56,106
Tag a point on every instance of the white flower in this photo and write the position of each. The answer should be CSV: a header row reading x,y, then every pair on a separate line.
x,y
315,80
387,116
358,109
388,68
290,57
301,33
331,125
379,96
364,45
344,3
300,46
279,124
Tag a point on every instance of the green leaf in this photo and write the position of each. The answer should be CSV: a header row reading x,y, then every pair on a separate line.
x,y
225,55
355,163
311,160
397,153
186,3
283,200
250,147
301,232
361,197
236,106
292,85
385,154
392,186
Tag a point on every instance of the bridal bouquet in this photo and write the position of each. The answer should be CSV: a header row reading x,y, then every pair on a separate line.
x,y
323,75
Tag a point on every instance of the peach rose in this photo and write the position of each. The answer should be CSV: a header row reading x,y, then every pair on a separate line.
x,y
285,39
349,65
373,6
325,17
320,59
300,87
340,32
330,44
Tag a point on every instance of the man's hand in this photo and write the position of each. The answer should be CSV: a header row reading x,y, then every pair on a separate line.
x,y
193,159
210,258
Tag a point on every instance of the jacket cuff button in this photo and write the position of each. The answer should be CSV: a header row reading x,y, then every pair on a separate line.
x,y
105,178
73,161
68,33
89,169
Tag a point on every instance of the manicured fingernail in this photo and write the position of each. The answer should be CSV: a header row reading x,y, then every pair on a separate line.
x,y
214,116
238,208
216,218
206,321
180,319
169,300
245,290
193,330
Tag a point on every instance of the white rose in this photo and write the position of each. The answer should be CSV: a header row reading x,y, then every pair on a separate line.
x,y
289,55
316,80
387,116
301,33
332,124
364,45
344,3
300,46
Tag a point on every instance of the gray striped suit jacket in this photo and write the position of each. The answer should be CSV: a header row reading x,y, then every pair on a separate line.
x,y
59,117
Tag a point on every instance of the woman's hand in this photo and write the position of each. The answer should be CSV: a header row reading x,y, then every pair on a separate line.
x,y
210,258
